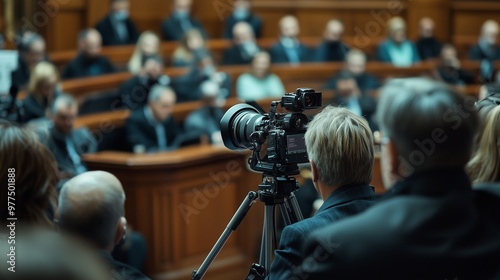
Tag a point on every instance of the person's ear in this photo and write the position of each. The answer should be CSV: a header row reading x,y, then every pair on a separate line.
x,y
121,231
314,172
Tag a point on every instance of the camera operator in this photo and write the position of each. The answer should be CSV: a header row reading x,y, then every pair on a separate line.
x,y
341,153
431,224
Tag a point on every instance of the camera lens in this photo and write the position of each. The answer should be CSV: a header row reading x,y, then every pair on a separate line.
x,y
237,124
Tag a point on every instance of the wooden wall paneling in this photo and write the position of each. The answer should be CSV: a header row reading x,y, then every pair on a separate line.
x,y
96,10
468,16
149,14
438,10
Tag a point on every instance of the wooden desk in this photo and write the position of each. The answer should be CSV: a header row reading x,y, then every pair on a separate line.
x,y
205,183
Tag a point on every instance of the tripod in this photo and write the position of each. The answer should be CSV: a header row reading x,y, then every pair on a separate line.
x,y
272,191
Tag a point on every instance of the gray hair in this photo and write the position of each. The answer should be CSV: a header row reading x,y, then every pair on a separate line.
x,y
63,100
431,124
340,144
157,91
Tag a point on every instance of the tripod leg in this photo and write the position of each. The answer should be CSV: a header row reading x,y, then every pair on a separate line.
x,y
267,244
293,206
285,214
232,226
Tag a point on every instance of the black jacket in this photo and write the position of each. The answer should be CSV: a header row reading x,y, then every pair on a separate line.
x,y
236,56
330,52
141,132
80,67
428,48
433,225
171,28
477,53
121,271
278,53
253,20
134,92
109,35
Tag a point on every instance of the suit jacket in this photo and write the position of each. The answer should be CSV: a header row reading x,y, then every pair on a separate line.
x,y
33,109
121,271
235,56
83,142
171,28
80,67
204,121
187,87
430,226
21,76
278,53
428,48
141,132
253,20
109,35
477,53
134,92
329,52
343,202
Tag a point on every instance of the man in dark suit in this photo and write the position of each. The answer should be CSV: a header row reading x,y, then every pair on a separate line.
x,y
180,21
134,93
117,28
431,223
89,61
289,49
68,144
487,50
151,128
244,46
92,207
340,147
242,13
332,48
427,45
31,52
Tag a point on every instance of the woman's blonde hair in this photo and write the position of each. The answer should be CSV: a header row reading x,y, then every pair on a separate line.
x,y
134,64
182,51
485,164
43,72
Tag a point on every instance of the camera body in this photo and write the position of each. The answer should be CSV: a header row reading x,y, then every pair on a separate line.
x,y
243,127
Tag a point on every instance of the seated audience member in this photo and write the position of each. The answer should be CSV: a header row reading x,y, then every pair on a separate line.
x,y
341,152
66,143
134,92
147,45
242,13
244,46
397,49
289,49
487,49
117,28
187,86
332,48
431,224
42,90
49,255
180,21
489,98
484,167
191,43
89,61
427,45
92,207
35,174
31,52
152,128
448,69
259,83
206,120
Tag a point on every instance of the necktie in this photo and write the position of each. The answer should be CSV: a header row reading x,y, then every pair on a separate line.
x,y
160,136
75,157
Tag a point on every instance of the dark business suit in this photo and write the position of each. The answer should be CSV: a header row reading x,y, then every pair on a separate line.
x,y
477,53
81,67
236,56
172,29
110,36
279,55
428,48
141,132
343,202
34,108
21,76
121,271
430,226
253,20
135,91
82,141
187,87
204,121
331,52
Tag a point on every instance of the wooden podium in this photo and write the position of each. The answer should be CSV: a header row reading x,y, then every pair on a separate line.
x,y
181,202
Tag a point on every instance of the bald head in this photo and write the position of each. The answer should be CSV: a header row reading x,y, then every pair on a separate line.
x,y
489,32
243,32
334,30
90,42
91,206
426,27
289,26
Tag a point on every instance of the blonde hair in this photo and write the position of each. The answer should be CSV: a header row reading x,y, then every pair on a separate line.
x,y
340,143
134,64
43,72
183,52
485,164
395,24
